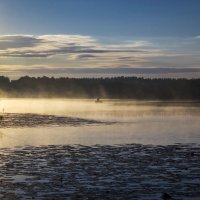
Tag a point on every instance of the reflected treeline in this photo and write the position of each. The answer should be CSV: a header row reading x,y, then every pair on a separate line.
x,y
119,87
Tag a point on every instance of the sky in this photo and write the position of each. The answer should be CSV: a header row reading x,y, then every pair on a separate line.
x,y
100,38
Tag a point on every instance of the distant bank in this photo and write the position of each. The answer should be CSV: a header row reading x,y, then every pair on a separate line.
x,y
113,88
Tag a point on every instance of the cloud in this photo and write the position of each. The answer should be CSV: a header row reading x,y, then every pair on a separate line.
x,y
85,56
17,41
131,44
106,70
76,54
69,39
52,45
75,51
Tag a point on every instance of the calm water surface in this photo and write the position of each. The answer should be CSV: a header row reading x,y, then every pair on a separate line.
x,y
142,122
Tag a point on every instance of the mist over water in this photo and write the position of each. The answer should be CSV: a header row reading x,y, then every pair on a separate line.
x,y
116,122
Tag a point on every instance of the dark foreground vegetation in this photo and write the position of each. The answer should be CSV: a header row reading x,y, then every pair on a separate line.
x,y
119,87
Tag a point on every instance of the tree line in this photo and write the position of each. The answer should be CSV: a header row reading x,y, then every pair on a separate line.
x,y
114,88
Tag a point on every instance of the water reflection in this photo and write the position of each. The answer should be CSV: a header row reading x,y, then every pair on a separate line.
x,y
137,122
1,135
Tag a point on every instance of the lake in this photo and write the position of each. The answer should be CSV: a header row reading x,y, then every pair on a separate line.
x,y
122,122
79,149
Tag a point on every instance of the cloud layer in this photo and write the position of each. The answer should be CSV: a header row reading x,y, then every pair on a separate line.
x,y
73,54
52,45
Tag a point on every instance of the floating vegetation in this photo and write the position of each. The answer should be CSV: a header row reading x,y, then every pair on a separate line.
x,y
14,120
100,172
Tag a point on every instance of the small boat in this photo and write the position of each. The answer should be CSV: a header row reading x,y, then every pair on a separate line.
x,y
98,100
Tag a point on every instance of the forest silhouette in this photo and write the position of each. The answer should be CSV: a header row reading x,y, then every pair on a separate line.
x,y
113,88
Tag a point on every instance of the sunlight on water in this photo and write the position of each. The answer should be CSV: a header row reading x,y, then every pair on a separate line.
x,y
132,122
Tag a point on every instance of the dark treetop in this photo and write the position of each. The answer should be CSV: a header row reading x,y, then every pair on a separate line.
x,y
119,87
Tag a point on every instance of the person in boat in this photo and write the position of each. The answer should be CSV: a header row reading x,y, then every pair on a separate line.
x,y
98,100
